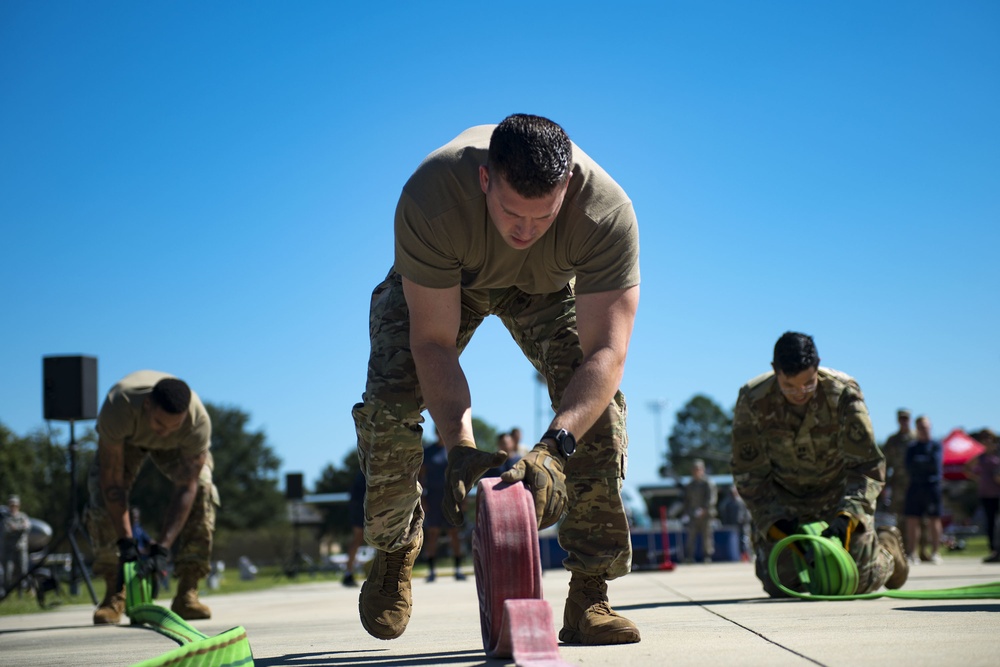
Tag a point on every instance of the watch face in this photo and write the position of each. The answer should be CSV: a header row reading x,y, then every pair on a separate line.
x,y
567,443
564,441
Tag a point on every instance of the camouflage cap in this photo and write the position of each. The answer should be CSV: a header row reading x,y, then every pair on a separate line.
x,y
14,500
903,412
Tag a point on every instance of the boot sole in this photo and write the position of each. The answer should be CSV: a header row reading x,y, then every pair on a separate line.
x,y
101,621
620,636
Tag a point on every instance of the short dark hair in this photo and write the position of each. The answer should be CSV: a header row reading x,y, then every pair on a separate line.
x,y
172,395
533,154
795,352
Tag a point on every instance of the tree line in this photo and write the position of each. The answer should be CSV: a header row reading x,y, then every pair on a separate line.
x,y
246,472
36,466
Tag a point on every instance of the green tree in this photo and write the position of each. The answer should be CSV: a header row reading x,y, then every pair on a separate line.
x,y
37,468
245,473
702,430
485,434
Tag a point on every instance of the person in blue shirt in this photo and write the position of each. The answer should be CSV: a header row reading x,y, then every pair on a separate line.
x,y
925,466
142,538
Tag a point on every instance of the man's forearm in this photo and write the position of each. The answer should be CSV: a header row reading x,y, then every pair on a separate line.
x,y
590,391
113,491
177,513
445,390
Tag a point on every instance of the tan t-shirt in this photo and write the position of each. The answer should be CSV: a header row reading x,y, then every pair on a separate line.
x,y
123,418
445,237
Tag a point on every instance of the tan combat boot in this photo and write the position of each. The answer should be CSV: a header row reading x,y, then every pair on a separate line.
x,y
186,603
891,539
110,611
589,619
386,597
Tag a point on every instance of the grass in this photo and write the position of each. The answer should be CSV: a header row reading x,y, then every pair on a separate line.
x,y
267,577
271,577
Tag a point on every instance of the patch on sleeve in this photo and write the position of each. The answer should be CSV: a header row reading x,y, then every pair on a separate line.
x,y
856,432
748,452
860,439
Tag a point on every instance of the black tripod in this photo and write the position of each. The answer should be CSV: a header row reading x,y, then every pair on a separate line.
x,y
77,568
298,561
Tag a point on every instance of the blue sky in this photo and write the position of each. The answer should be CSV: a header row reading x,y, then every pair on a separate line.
x,y
207,189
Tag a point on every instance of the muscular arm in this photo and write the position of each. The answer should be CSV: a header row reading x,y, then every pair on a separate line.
x,y
435,315
185,490
864,462
111,460
604,322
752,466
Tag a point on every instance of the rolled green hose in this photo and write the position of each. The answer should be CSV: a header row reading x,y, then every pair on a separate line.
x,y
833,574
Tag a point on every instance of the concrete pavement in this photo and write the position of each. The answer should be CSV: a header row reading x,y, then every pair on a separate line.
x,y
699,615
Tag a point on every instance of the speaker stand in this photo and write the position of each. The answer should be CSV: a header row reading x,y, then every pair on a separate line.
x,y
298,561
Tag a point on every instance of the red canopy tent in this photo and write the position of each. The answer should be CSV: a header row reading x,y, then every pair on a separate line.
x,y
959,447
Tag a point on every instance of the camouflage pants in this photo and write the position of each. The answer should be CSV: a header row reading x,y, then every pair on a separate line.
x,y
193,550
875,564
595,530
700,527
14,560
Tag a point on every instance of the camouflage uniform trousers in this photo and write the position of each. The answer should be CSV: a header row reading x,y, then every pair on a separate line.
x,y
897,478
14,560
700,527
595,530
875,564
193,549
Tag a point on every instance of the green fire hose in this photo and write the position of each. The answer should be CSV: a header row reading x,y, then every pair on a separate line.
x,y
229,649
831,574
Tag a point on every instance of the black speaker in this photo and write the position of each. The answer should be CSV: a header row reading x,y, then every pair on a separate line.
x,y
69,388
293,486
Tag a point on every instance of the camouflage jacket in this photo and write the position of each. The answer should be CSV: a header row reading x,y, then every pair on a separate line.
x,y
810,467
700,494
895,459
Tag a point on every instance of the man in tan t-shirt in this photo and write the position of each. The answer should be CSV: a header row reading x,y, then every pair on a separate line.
x,y
515,221
153,415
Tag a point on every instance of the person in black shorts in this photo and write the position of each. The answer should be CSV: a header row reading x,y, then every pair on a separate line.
x,y
925,467
356,515
432,477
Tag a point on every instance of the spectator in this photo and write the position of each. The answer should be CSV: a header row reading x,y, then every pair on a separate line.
x,y
804,452
896,480
515,434
433,479
984,469
356,515
733,512
505,443
700,496
16,528
142,539
925,467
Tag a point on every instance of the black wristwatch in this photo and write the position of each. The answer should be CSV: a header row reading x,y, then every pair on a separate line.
x,y
564,441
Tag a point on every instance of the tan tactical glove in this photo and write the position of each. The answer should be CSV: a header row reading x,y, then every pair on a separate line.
x,y
466,465
542,472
